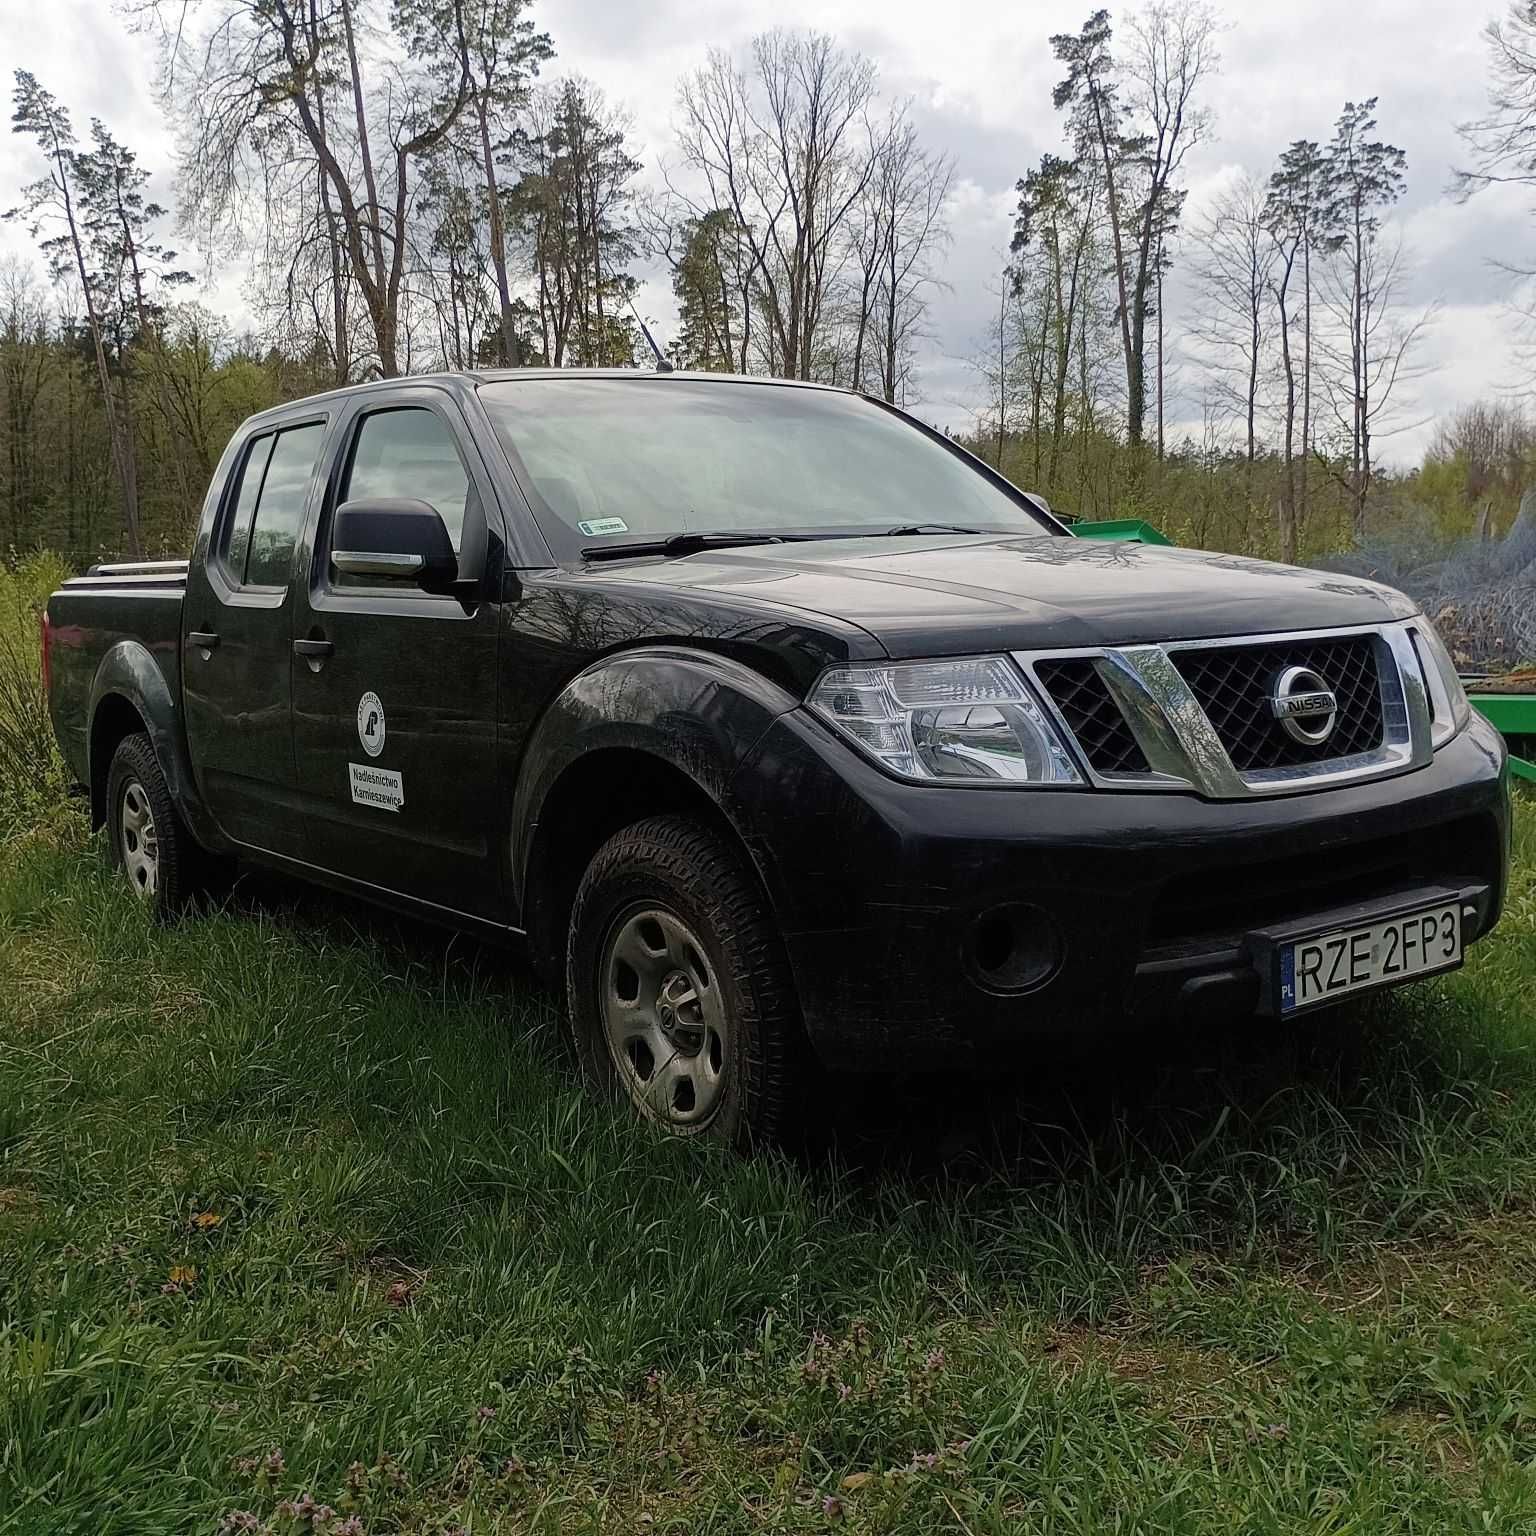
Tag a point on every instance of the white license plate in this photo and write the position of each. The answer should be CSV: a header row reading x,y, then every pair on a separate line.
x,y
1332,965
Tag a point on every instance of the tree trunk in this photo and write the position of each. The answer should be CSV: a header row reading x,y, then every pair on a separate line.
x,y
1306,379
122,452
1288,485
1113,197
498,233
373,212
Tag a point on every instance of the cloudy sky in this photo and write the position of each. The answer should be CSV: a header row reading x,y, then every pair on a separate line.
x,y
979,76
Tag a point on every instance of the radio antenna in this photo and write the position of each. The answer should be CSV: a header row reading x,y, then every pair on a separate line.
x,y
662,365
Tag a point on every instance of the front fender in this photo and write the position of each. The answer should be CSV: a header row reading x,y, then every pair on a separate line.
x,y
698,712
130,672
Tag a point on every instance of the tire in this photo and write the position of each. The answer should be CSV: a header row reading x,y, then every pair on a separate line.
x,y
146,837
681,1001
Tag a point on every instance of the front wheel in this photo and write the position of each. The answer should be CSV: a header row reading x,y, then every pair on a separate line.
x,y
145,836
680,993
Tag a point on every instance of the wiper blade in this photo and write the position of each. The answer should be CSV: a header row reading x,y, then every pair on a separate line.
x,y
929,528
678,544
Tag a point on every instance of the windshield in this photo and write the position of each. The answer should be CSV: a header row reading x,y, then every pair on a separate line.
x,y
618,461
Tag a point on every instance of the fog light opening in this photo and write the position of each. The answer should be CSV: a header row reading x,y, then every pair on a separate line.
x,y
1013,947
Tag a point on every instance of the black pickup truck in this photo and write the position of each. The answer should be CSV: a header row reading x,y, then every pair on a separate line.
x,y
783,731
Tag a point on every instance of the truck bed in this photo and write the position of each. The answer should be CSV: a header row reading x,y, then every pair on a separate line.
x,y
137,603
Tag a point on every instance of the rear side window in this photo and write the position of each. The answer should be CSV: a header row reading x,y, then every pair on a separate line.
x,y
410,453
280,510
269,507
237,542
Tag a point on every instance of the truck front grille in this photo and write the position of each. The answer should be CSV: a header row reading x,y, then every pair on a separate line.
x,y
1092,716
1210,716
1234,686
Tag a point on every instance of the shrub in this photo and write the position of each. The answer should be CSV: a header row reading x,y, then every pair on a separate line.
x,y
32,777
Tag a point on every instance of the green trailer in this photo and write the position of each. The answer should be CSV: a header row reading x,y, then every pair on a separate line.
x,y
1509,703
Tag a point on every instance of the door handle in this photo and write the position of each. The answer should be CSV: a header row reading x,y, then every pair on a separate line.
x,y
315,650
204,639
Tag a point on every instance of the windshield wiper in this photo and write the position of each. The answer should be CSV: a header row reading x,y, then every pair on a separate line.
x,y
678,544
929,528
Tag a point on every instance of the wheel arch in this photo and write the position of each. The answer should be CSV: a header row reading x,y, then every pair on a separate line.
x,y
129,694
638,734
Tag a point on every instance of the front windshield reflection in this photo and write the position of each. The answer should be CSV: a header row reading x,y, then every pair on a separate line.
x,y
616,460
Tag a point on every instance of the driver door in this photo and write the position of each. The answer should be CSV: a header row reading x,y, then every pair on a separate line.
x,y
395,690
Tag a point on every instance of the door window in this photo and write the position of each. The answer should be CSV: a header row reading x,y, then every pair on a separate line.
x,y
280,506
237,538
410,453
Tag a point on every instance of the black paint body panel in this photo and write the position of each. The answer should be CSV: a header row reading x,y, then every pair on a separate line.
x,y
699,666
876,883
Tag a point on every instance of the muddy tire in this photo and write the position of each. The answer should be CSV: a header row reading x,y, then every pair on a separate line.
x,y
146,838
679,990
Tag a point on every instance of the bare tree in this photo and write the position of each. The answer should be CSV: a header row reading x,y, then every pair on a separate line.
x,y
1362,177
1234,265
1138,120
1503,142
785,145
1368,355
1172,48
253,89
897,227
1292,215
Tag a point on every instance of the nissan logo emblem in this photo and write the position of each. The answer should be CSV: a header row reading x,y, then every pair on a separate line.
x,y
1305,706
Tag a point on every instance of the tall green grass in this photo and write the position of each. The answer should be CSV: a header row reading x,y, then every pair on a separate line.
x,y
296,1201
31,774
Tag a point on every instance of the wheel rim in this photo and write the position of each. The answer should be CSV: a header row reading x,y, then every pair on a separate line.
x,y
664,1018
137,840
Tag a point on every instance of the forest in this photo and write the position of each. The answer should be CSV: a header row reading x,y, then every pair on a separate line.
x,y
415,186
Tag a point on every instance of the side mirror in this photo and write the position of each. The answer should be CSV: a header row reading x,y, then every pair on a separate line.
x,y
394,540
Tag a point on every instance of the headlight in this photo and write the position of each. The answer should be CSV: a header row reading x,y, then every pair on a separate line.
x,y
1449,708
963,721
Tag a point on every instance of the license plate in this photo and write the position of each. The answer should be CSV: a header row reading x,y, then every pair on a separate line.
x,y
1332,965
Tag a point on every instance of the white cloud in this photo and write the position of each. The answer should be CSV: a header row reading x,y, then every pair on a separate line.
x,y
980,76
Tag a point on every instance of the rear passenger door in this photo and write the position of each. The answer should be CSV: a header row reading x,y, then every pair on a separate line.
x,y
395,717
237,639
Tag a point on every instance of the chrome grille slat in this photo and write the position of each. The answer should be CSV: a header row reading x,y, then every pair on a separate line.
x,y
1198,714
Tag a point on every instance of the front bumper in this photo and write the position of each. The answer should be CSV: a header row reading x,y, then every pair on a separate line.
x,y
888,893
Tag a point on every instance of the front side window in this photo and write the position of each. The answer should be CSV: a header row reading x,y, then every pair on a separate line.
x,y
636,459
410,453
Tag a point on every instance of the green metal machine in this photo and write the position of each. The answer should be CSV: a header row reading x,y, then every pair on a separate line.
x,y
1132,529
1509,703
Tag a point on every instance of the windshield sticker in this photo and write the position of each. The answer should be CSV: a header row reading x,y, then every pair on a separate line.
x,y
383,788
370,725
596,527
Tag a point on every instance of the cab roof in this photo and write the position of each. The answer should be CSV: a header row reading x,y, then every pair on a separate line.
x,y
469,379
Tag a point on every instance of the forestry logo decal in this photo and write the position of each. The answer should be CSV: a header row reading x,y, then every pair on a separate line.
x,y
370,724
382,788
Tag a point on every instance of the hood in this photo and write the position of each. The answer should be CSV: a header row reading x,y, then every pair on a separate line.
x,y
948,595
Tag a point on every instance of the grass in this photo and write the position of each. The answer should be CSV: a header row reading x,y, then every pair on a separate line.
x,y
299,1204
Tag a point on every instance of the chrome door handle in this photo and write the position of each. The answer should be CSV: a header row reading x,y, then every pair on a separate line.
x,y
204,639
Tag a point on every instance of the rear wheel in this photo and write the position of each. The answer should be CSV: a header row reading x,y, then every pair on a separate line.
x,y
146,838
680,994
